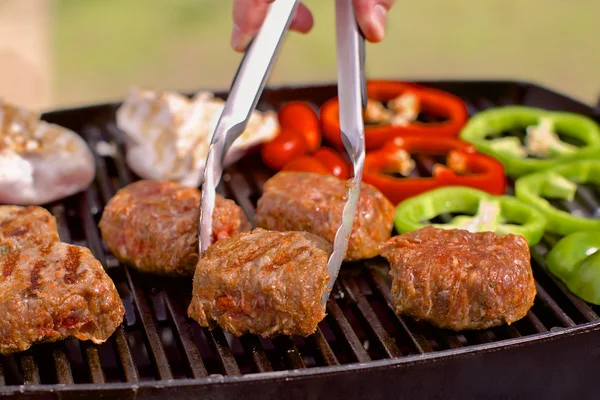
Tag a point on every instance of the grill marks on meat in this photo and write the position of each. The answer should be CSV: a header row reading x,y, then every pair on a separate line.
x,y
459,280
10,262
153,226
71,264
302,201
263,282
50,290
35,277
37,306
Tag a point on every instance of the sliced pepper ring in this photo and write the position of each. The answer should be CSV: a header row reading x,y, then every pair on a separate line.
x,y
575,260
509,151
559,182
433,101
499,214
465,167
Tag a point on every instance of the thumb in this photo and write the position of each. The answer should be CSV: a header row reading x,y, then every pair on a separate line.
x,y
372,17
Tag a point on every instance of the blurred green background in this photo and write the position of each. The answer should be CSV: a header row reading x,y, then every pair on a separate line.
x,y
101,47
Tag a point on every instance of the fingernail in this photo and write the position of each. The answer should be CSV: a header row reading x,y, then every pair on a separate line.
x,y
239,40
379,20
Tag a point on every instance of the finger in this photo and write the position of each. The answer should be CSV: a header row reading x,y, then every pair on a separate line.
x,y
303,20
249,15
372,16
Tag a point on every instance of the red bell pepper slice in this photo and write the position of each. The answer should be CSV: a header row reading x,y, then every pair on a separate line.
x,y
465,167
432,101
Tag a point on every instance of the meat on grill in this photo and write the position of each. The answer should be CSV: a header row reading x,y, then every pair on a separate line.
x,y
40,162
459,280
24,227
50,290
302,201
263,282
153,226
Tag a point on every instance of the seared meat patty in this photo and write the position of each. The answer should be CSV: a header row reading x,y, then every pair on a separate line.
x,y
153,226
303,201
263,282
459,280
52,292
23,227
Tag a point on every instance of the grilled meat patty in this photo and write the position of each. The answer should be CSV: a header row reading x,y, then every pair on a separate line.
x,y
303,201
23,227
153,226
49,290
49,293
460,280
263,282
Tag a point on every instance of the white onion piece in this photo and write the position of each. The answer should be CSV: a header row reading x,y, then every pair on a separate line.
x,y
40,162
167,135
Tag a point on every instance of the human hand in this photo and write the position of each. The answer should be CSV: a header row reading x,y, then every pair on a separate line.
x,y
249,15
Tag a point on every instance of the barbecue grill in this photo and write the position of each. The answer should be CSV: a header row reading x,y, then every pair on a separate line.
x,y
361,350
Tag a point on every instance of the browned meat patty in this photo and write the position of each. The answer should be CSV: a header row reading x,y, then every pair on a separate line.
x,y
49,293
153,226
459,280
23,227
263,282
303,201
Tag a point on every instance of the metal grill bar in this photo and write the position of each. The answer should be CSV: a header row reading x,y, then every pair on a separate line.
x,y
373,324
324,354
127,362
219,343
535,321
145,313
347,333
30,370
93,361
252,346
63,368
553,306
418,340
190,351
450,340
289,351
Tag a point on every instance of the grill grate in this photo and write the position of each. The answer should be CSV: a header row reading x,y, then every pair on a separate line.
x,y
158,343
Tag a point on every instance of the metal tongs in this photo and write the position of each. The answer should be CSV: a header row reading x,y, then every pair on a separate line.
x,y
247,88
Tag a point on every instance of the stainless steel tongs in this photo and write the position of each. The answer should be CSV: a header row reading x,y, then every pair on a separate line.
x,y
247,88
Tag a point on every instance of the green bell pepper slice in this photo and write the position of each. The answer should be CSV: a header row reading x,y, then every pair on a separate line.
x,y
559,182
499,214
483,131
575,260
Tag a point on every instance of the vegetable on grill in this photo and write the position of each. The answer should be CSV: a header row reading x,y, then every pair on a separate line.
x,y
542,147
575,260
559,182
499,214
465,167
301,117
300,135
405,102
